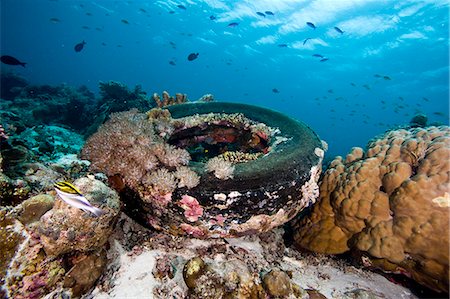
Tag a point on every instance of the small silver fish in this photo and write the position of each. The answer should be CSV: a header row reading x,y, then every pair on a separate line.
x,y
72,196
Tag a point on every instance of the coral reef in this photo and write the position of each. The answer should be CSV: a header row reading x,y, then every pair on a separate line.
x,y
37,157
168,100
50,105
390,203
33,208
116,97
221,168
418,120
157,162
11,85
84,271
50,245
259,266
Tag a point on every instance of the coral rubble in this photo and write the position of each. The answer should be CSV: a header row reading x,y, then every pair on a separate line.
x,y
391,203
259,266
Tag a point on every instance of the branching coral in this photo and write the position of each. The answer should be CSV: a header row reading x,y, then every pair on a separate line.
x,y
390,202
168,100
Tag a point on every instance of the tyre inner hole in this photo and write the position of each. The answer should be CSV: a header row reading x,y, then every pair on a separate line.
x,y
207,141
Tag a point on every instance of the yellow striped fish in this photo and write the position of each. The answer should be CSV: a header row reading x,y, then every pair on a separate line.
x,y
72,196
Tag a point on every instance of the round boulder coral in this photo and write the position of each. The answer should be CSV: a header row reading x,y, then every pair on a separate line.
x,y
390,203
66,228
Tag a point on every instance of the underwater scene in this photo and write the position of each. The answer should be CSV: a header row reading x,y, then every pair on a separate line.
x,y
224,149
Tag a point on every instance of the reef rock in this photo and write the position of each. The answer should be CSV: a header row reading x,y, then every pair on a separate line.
x,y
85,271
33,208
65,228
391,203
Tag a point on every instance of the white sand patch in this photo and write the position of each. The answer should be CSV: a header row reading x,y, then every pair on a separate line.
x,y
334,282
134,279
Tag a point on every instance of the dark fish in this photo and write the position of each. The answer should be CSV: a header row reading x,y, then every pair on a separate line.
x,y
339,30
311,25
260,14
55,20
89,14
304,42
192,56
387,78
103,44
86,27
79,47
125,21
172,62
377,76
212,18
274,90
283,45
324,59
174,46
438,113
171,12
425,99
269,13
352,84
142,10
317,55
330,90
180,6
366,86
234,24
6,59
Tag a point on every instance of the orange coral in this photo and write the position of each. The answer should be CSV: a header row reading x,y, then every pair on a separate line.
x,y
391,202
168,100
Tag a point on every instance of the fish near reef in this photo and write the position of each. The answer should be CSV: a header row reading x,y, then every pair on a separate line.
x,y
306,40
6,59
260,14
283,45
274,90
269,13
79,47
192,56
72,196
234,24
180,6
339,30
311,25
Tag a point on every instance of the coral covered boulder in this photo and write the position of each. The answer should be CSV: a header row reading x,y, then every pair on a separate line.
x,y
390,203
209,169
66,228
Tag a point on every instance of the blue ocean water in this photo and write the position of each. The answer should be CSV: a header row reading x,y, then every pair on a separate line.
x,y
390,62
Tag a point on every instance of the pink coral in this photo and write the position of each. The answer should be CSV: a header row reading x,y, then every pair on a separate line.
x,y
194,231
192,209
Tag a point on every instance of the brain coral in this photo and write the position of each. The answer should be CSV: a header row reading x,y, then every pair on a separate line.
x,y
390,203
